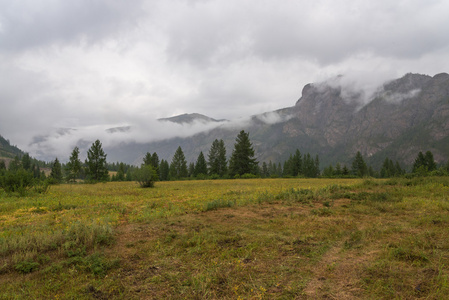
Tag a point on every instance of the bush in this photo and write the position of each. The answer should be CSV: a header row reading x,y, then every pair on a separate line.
x,y
145,176
19,181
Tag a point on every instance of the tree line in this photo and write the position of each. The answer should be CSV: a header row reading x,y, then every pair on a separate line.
x,y
241,164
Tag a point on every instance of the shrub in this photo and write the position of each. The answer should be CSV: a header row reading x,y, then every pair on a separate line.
x,y
19,181
145,176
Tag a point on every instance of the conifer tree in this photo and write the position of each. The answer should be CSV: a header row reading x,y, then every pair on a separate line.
x,y
242,159
359,167
164,170
430,162
264,172
15,164
56,171
153,161
147,158
2,165
279,170
26,162
217,158
96,163
420,162
120,176
201,165
73,167
297,164
178,166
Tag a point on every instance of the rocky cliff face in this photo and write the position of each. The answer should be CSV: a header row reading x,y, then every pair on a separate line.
x,y
407,115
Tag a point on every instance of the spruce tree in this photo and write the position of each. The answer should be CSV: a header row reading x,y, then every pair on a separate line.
x,y
147,159
96,163
15,164
201,165
2,165
178,166
297,164
359,167
420,162
164,170
56,171
26,162
73,167
120,172
217,158
430,162
242,159
265,172
153,161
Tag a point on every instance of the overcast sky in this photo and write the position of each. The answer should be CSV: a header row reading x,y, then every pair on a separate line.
x,y
94,64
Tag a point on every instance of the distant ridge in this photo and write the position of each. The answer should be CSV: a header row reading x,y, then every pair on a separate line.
x,y
190,118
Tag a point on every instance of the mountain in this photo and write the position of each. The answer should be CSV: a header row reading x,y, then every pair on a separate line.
x,y
190,118
333,120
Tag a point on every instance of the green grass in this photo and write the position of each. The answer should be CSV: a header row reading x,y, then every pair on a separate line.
x,y
231,239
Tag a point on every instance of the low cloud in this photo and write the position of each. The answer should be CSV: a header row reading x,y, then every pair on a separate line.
x,y
397,98
273,117
60,142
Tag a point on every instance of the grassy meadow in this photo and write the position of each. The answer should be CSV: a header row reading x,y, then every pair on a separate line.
x,y
229,239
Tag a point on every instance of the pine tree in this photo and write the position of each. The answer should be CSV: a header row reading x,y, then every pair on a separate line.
x,y
420,162
164,170
265,173
2,165
242,159
279,170
359,167
201,165
15,164
73,167
178,166
387,170
217,158
26,162
430,162
120,176
56,171
147,159
338,171
96,163
297,164
153,161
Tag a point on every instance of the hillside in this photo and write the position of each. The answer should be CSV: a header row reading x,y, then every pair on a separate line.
x,y
405,116
7,151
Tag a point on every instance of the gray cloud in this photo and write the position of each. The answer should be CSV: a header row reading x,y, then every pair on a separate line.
x,y
26,24
93,65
